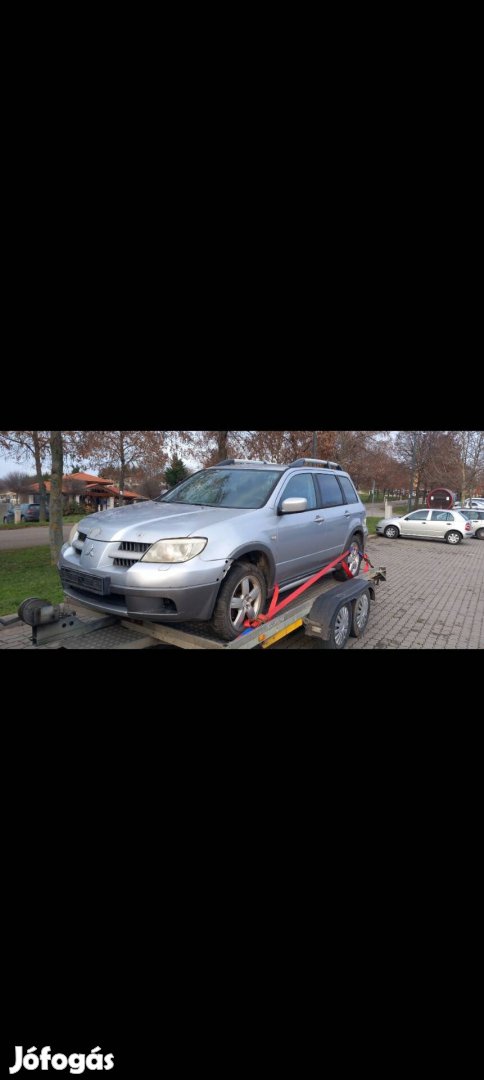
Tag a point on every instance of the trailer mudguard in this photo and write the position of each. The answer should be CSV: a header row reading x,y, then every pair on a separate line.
x,y
318,622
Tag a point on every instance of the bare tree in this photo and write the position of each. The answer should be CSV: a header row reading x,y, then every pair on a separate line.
x,y
56,523
212,447
121,450
470,447
18,482
25,444
424,453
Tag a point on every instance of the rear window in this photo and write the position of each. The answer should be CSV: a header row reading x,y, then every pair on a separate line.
x,y
330,491
348,489
237,489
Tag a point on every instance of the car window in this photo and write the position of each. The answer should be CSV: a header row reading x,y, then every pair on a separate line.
x,y
330,491
348,489
441,515
238,489
301,487
419,515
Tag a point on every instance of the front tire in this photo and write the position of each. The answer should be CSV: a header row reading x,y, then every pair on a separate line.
x,y
453,538
243,596
480,534
392,532
340,628
354,561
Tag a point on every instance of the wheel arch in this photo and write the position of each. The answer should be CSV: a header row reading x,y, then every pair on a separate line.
x,y
318,624
261,556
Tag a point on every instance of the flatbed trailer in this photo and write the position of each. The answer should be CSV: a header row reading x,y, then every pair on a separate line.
x,y
327,611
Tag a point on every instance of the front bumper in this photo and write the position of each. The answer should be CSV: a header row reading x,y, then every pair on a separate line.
x,y
166,594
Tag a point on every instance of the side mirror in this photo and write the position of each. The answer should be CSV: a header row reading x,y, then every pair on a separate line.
x,y
294,506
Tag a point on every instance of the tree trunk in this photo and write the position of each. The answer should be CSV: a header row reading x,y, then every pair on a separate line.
x,y
122,471
40,479
222,441
56,524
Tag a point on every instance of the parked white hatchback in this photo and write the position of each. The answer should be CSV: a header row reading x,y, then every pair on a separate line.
x,y
448,525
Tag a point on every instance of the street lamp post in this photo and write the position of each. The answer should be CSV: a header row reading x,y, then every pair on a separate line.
x,y
315,443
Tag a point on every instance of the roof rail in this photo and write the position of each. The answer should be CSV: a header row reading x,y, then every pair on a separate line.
x,y
302,462
242,461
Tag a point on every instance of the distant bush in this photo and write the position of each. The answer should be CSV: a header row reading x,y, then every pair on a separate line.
x,y
74,508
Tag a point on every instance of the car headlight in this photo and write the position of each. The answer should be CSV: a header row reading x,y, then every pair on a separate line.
x,y
175,551
74,533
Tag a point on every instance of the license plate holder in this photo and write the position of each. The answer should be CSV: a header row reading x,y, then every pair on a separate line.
x,y
97,586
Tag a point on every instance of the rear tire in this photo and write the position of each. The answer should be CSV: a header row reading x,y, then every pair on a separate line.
x,y
354,560
453,537
480,534
340,628
243,595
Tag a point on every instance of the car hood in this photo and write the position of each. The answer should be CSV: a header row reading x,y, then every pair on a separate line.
x,y
153,521
389,521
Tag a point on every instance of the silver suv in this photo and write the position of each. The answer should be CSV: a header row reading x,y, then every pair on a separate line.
x,y
214,548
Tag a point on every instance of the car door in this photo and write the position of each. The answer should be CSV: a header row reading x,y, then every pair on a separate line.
x,y
415,524
440,523
298,535
335,515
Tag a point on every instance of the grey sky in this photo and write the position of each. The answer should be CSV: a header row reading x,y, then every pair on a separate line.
x,y
7,465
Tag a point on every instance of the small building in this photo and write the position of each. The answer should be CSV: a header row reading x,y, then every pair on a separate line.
x,y
91,492
440,499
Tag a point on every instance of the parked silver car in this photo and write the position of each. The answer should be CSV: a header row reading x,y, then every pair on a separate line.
x,y
449,525
477,518
215,547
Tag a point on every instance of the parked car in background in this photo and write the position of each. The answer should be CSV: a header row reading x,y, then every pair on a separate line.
x,y
215,547
474,504
28,512
477,518
448,525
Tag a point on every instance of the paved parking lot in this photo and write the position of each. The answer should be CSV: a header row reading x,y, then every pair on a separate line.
x,y
433,599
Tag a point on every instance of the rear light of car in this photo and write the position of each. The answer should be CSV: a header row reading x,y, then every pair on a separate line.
x,y
468,526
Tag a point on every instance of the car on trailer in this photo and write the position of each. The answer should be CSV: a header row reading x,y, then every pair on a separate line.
x,y
214,549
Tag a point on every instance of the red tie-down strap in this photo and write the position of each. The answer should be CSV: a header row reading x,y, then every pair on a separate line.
x,y
276,608
364,558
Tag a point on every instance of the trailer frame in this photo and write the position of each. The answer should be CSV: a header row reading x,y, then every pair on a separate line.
x,y
314,612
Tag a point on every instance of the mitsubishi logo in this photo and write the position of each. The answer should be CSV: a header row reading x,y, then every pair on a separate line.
x,y
90,554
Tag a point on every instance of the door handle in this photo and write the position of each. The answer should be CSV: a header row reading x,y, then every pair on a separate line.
x,y
319,521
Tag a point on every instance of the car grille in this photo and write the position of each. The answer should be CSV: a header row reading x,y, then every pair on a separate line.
x,y
132,553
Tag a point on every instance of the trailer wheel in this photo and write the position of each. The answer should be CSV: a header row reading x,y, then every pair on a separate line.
x,y
340,628
361,615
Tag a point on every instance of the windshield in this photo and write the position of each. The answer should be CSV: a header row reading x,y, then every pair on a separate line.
x,y
239,489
